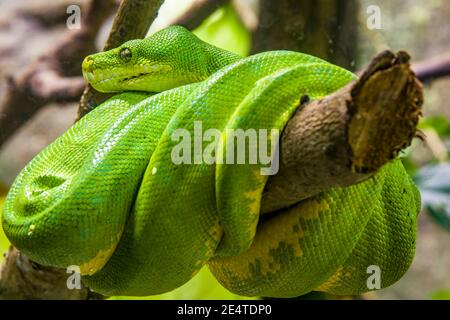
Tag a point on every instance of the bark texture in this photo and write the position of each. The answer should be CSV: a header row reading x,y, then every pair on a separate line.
x,y
324,28
344,138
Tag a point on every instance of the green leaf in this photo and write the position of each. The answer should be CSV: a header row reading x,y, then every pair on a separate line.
x,y
441,295
438,123
434,184
225,30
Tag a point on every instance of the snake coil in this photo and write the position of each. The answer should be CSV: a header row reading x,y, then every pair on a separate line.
x,y
108,197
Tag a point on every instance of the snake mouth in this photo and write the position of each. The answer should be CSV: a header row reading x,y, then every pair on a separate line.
x,y
96,79
140,75
115,80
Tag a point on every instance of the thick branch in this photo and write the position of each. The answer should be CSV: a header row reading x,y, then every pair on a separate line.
x,y
344,138
21,279
132,21
324,28
54,76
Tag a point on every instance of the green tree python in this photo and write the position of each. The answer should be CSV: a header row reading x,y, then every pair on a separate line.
x,y
107,196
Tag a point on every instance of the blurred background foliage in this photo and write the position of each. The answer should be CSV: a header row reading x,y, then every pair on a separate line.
x,y
417,26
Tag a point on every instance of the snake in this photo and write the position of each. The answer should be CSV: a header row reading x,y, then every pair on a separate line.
x,y
140,194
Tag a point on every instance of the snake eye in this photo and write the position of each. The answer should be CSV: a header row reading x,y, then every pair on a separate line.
x,y
125,54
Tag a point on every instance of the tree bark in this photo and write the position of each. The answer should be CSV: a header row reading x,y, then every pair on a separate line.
x,y
23,279
346,137
324,28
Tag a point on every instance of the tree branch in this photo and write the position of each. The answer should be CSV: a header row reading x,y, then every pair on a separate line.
x,y
323,28
433,68
344,138
21,278
53,77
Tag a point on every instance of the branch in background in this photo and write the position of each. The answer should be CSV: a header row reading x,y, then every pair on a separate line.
x,y
433,68
54,14
344,138
21,278
51,77
198,12
132,21
247,12
306,26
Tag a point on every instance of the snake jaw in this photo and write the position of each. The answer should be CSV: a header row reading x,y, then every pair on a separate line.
x,y
149,77
154,70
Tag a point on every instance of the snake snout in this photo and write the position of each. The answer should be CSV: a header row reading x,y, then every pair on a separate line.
x,y
87,66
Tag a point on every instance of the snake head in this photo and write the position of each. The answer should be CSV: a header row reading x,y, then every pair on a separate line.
x,y
167,59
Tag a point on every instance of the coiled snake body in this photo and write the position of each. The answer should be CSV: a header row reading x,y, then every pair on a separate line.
x,y
108,197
